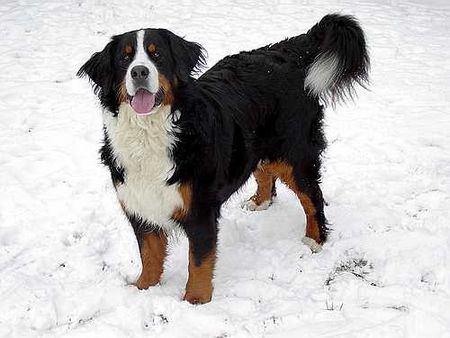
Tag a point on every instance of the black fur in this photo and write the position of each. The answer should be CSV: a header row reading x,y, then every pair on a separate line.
x,y
107,158
248,107
141,227
104,75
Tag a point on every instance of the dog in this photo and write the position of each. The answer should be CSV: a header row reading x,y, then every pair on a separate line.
x,y
178,147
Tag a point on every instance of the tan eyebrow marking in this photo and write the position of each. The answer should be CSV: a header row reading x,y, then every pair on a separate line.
x,y
128,49
151,48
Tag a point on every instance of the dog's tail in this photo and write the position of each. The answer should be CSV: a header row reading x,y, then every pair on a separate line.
x,y
342,60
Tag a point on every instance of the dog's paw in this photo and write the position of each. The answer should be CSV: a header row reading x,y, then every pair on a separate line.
x,y
312,244
197,299
144,282
252,206
198,293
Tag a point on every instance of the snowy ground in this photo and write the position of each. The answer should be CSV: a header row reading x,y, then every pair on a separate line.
x,y
67,255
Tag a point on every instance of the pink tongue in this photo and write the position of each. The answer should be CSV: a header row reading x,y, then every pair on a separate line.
x,y
143,101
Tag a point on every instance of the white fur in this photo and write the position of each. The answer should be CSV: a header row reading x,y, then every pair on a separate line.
x,y
322,74
312,244
141,145
141,59
252,206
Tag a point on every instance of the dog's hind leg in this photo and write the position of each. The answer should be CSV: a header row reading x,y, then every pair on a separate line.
x,y
266,189
307,189
310,196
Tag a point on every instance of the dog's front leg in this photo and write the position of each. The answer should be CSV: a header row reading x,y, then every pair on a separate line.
x,y
202,235
153,250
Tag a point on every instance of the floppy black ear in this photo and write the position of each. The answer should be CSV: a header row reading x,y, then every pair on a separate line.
x,y
99,69
189,56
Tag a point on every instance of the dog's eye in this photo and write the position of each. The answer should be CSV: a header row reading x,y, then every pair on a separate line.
x,y
126,57
155,55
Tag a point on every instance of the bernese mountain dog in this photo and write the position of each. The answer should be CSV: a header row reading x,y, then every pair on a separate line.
x,y
178,146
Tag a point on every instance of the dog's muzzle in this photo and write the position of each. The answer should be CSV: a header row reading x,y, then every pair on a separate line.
x,y
143,101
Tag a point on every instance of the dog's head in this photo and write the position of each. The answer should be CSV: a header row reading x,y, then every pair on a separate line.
x,y
142,68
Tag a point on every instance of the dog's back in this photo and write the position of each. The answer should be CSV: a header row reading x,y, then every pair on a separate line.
x,y
325,63
268,102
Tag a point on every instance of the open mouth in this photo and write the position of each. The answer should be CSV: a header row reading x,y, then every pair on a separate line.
x,y
144,101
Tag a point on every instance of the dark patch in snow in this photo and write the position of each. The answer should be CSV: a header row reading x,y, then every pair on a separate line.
x,y
159,319
401,308
358,267
331,306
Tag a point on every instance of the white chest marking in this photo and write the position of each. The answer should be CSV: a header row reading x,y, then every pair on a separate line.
x,y
141,145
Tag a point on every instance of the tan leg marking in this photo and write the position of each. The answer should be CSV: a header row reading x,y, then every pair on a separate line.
x,y
264,180
199,285
312,228
284,171
153,253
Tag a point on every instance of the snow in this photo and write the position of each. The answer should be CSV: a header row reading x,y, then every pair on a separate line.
x,y
68,256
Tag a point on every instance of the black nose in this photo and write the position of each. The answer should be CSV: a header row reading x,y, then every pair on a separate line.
x,y
139,72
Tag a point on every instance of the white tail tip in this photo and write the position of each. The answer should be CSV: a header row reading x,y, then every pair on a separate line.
x,y
322,75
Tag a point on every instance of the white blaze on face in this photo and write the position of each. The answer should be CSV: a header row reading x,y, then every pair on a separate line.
x,y
141,59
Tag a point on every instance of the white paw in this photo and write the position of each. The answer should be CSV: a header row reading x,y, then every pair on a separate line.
x,y
312,244
252,206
